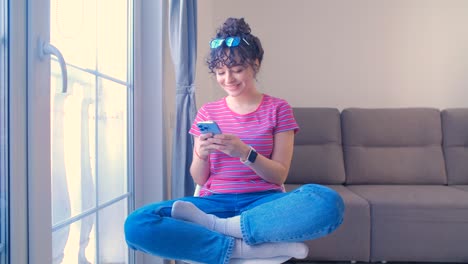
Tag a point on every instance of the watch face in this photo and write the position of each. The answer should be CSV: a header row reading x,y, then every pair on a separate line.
x,y
252,155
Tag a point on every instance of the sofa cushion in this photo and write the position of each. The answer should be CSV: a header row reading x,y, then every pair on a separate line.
x,y
417,223
318,154
393,146
351,241
455,128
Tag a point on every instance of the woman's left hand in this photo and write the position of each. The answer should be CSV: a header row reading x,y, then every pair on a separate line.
x,y
230,145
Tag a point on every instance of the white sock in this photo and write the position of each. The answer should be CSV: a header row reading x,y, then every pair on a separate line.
x,y
274,260
189,212
269,250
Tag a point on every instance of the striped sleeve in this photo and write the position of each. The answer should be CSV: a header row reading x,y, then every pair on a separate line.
x,y
201,116
285,120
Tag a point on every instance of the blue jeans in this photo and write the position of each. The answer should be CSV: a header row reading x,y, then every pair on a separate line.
x,y
309,212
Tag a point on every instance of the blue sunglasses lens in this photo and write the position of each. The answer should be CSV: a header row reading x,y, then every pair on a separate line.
x,y
230,42
216,43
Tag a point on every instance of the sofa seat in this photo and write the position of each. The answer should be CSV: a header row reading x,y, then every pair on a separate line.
x,y
461,187
351,241
417,222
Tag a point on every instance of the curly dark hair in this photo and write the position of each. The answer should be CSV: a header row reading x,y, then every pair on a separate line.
x,y
247,52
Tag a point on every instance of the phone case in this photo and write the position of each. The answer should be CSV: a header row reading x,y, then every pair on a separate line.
x,y
209,127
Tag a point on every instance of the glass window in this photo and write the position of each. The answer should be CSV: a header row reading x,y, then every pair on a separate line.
x,y
89,130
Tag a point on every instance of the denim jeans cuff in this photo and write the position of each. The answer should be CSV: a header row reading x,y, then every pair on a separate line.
x,y
244,230
230,248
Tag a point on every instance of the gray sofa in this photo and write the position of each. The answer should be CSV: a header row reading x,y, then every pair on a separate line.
x,y
403,174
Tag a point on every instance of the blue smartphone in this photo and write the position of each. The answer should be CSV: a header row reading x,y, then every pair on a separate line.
x,y
209,127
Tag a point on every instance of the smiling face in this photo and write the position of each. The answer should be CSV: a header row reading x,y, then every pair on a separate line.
x,y
236,80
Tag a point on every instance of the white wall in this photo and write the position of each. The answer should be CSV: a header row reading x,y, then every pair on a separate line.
x,y
356,53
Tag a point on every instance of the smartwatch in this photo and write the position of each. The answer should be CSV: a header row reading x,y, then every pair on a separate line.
x,y
251,157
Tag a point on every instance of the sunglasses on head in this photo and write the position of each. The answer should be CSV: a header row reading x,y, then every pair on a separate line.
x,y
229,41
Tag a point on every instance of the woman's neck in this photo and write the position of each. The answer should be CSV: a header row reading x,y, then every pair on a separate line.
x,y
244,104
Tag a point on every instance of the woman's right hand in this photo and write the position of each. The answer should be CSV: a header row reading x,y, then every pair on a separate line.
x,y
204,146
200,168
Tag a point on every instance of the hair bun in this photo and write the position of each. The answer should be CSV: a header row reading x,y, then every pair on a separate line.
x,y
234,27
249,51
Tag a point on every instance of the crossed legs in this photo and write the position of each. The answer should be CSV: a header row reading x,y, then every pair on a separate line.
x,y
231,227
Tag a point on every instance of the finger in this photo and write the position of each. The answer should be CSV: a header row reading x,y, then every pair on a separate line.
x,y
216,141
223,136
205,136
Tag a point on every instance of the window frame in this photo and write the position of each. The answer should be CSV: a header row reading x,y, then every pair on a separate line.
x,y
17,64
149,141
150,146
21,247
4,147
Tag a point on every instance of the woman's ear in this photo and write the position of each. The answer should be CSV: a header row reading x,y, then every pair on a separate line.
x,y
256,66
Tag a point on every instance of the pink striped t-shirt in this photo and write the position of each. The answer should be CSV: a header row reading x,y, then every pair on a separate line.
x,y
228,174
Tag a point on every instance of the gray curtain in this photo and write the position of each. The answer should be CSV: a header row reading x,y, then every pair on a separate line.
x,y
183,44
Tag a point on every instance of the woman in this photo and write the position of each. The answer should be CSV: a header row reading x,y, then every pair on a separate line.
x,y
243,212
